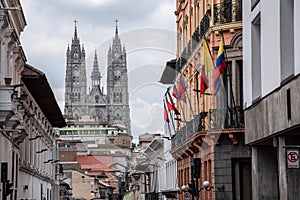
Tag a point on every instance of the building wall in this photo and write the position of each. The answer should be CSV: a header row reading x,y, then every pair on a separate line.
x,y
275,104
276,17
229,161
297,33
271,75
266,173
32,187
38,150
81,185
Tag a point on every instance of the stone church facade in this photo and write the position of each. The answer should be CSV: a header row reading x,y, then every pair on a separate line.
x,y
93,104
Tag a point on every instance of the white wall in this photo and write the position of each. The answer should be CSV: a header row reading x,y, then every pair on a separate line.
x,y
270,45
247,79
167,179
297,35
34,187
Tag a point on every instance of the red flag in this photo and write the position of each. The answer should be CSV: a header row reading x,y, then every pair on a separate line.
x,y
179,91
166,116
203,81
171,105
175,92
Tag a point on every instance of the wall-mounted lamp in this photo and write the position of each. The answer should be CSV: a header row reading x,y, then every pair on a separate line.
x,y
160,158
11,8
36,137
25,187
48,161
168,138
41,151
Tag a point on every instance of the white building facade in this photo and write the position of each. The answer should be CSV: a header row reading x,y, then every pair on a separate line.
x,y
28,115
271,30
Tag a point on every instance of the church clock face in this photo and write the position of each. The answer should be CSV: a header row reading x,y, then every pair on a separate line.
x,y
117,73
75,72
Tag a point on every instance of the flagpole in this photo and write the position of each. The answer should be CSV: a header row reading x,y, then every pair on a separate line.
x,y
166,121
230,79
191,108
184,119
172,119
197,88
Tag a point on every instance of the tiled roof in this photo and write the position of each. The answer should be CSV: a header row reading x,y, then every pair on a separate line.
x,y
89,160
109,175
98,167
146,139
95,163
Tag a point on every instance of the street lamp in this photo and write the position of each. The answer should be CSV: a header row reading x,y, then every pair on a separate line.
x,y
193,189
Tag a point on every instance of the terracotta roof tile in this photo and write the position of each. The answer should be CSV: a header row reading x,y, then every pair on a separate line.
x,y
89,160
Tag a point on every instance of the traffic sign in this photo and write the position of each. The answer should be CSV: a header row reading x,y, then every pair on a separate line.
x,y
187,196
293,158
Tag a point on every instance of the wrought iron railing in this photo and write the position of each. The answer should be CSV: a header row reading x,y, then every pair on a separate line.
x,y
218,119
193,42
204,24
226,118
154,196
191,127
227,12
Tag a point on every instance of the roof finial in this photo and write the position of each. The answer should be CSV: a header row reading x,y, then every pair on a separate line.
x,y
116,26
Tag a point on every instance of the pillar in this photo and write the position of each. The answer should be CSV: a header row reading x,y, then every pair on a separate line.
x,y
282,168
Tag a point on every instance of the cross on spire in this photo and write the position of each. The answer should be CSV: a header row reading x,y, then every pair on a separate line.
x,y
75,21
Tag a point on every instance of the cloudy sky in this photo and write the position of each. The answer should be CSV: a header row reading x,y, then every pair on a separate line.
x,y
147,28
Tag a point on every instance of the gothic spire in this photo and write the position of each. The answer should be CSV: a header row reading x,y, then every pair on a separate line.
x,y
96,75
116,27
75,39
95,67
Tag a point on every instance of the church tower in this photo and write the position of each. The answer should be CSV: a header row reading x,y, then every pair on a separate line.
x,y
75,81
117,84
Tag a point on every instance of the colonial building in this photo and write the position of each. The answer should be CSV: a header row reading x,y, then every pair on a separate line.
x,y
39,155
208,143
28,115
271,85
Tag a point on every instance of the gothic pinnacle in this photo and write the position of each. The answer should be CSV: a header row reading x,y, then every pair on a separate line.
x,y
116,26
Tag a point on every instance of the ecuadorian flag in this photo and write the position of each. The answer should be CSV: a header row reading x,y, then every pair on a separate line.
x,y
220,65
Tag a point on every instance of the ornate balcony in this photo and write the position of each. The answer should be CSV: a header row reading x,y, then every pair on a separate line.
x,y
192,127
6,104
218,119
226,118
227,12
